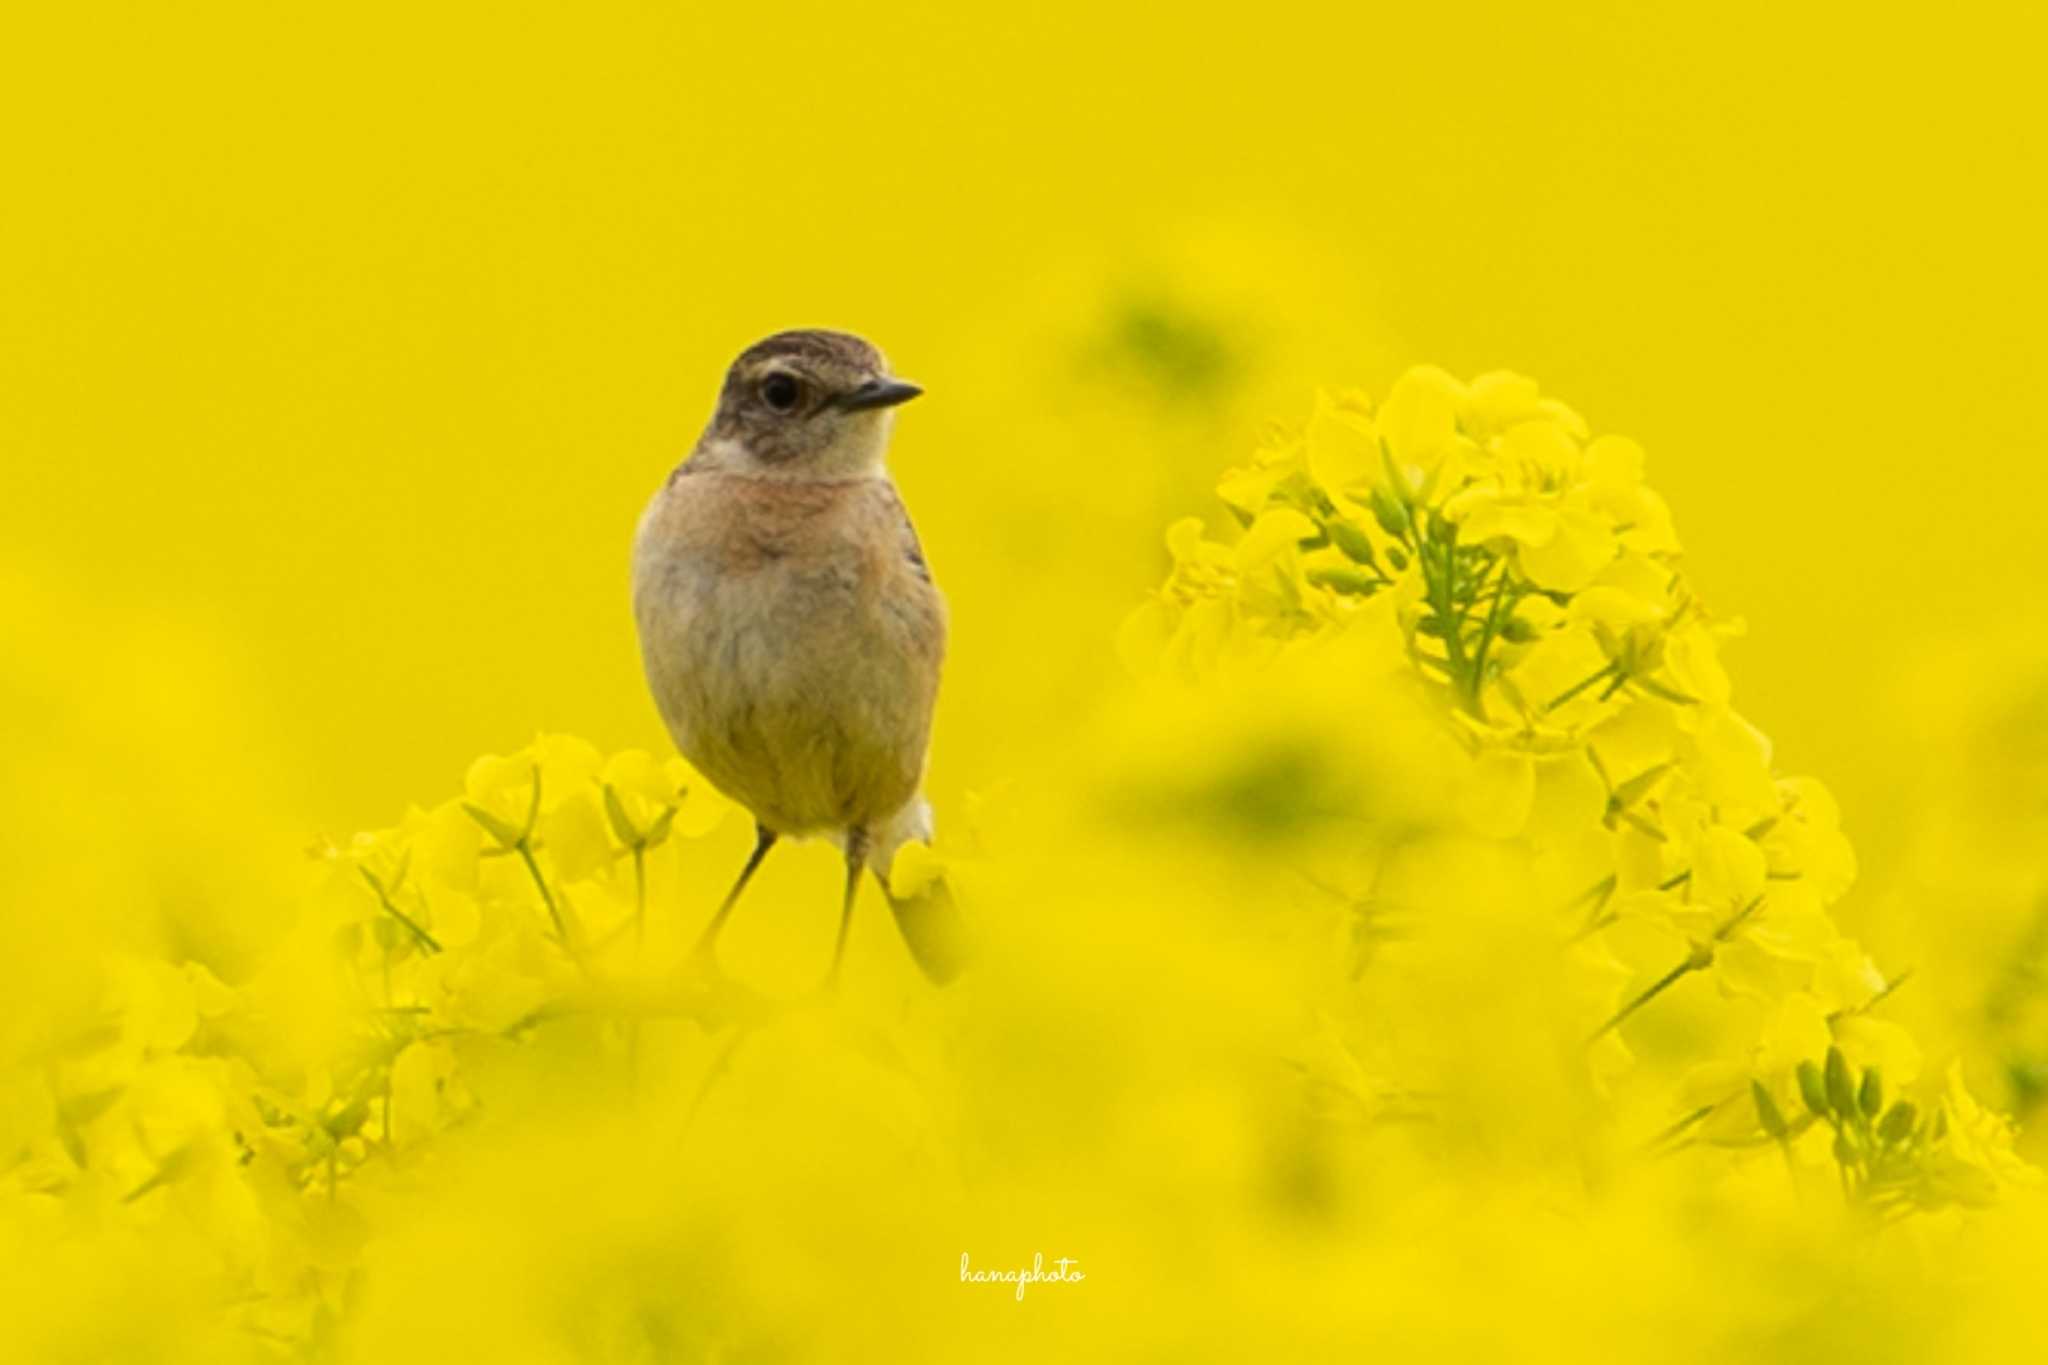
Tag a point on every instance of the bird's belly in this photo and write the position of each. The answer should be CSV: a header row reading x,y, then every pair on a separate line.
x,y
788,691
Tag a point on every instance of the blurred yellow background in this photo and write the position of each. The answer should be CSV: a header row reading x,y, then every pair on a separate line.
x,y
340,349
356,338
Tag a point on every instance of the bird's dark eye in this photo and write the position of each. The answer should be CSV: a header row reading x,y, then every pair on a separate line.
x,y
780,392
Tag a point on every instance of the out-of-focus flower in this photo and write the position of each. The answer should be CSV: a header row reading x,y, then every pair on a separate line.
x,y
1535,586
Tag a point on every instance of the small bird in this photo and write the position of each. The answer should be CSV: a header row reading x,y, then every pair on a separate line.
x,y
789,625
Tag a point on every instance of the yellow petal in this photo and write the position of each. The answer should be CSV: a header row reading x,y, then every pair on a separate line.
x,y
635,772
1730,761
1565,416
576,835
1497,401
1609,606
1497,792
1694,657
1483,514
1651,530
1742,968
1184,538
1573,557
1728,869
210,996
1541,445
1569,800
455,919
495,776
446,847
1879,1042
567,763
703,806
1343,447
1421,416
1277,531
1557,663
1796,1031
1142,638
1615,461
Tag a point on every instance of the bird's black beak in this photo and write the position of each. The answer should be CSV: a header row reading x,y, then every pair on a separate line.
x,y
878,393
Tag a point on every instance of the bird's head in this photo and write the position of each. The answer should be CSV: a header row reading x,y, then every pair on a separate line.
x,y
805,405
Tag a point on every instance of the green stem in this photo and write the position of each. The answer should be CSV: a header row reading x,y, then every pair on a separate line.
x,y
1678,1128
1486,635
639,897
427,940
525,850
1442,588
640,952
1561,698
1657,988
1699,959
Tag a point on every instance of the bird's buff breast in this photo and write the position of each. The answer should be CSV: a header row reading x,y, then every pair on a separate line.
x,y
792,666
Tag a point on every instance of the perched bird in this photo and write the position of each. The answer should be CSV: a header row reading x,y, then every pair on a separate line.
x,y
789,625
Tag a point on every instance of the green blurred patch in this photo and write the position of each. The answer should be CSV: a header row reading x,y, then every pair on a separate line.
x,y
1165,349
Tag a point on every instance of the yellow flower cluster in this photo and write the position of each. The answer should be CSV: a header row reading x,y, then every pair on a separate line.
x,y
1455,896
184,1103
1532,583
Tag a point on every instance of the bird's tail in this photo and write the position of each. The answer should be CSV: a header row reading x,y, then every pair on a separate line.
x,y
929,919
934,930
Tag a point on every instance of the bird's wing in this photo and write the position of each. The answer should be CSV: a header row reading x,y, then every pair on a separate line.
x,y
913,551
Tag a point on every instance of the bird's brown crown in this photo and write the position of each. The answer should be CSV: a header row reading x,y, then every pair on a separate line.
x,y
804,397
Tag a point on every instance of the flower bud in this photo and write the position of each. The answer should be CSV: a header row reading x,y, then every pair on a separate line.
x,y
1348,581
1389,512
1355,544
1898,1124
1813,1090
1841,1086
1767,1112
1871,1096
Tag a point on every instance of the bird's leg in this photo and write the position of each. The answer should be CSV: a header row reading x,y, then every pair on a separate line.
x,y
856,858
764,839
